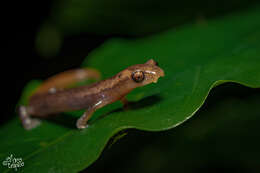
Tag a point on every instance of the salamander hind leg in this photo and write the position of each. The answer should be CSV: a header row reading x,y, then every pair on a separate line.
x,y
27,122
125,102
67,79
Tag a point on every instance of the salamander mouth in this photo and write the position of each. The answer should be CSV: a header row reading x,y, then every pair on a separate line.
x,y
160,73
156,80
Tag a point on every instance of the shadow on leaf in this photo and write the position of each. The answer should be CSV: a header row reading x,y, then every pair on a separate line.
x,y
141,104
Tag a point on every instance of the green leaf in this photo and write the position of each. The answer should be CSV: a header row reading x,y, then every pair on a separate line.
x,y
221,135
195,59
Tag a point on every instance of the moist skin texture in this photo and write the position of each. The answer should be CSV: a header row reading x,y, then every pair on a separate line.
x,y
52,97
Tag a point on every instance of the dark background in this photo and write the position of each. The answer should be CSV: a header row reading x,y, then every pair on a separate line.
x,y
21,62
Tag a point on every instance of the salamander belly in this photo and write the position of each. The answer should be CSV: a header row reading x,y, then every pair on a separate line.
x,y
43,105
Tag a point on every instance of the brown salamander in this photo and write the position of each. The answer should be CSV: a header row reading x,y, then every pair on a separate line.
x,y
53,97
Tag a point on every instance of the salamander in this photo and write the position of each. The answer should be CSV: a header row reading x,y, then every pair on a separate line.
x,y
54,97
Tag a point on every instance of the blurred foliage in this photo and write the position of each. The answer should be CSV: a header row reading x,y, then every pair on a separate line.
x,y
127,18
48,41
134,17
195,58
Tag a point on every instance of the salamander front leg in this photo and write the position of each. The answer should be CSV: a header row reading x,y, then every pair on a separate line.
x,y
28,122
82,121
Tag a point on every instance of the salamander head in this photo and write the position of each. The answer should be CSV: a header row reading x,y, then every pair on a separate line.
x,y
143,74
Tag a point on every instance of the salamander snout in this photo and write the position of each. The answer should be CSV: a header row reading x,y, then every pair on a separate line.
x,y
153,74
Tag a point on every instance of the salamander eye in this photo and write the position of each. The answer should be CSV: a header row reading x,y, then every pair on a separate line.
x,y
138,76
